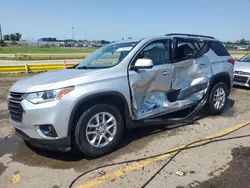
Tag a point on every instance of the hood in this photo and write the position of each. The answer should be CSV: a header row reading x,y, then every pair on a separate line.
x,y
242,66
42,81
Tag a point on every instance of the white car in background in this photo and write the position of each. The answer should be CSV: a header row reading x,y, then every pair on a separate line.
x,y
242,71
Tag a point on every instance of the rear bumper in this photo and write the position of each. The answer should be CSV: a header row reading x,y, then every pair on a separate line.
x,y
62,144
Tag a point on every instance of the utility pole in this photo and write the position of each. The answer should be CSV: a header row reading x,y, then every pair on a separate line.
x,y
85,34
73,34
1,35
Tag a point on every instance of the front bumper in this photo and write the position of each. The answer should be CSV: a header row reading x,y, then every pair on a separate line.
x,y
241,80
54,113
62,145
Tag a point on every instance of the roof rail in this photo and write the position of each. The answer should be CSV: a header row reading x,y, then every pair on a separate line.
x,y
190,35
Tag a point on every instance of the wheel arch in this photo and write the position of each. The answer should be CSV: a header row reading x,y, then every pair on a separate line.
x,y
221,77
111,97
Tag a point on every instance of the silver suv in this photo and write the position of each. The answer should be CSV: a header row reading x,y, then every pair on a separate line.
x,y
120,86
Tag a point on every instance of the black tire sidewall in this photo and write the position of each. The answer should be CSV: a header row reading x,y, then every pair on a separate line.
x,y
211,108
80,137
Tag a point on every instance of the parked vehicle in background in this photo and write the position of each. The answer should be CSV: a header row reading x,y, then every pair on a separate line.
x,y
121,86
242,71
242,48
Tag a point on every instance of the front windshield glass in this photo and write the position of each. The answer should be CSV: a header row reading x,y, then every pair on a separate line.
x,y
246,58
107,56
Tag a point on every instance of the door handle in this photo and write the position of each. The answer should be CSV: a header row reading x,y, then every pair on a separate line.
x,y
165,72
202,65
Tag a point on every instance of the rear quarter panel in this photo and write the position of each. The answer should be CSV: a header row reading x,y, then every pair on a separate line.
x,y
220,64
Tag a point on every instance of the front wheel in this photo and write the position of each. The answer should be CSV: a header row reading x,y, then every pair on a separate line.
x,y
99,130
217,99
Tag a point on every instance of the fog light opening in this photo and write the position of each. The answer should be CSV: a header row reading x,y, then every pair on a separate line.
x,y
46,130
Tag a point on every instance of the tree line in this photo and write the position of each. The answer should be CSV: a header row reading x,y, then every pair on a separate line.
x,y
12,37
238,42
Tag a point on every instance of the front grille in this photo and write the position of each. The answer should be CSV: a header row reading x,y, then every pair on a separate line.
x,y
241,79
14,106
16,96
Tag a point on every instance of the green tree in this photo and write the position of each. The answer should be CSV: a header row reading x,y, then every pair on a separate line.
x,y
6,37
243,41
18,36
2,43
12,37
104,42
228,43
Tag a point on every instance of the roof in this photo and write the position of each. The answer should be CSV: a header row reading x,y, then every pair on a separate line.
x,y
189,35
170,36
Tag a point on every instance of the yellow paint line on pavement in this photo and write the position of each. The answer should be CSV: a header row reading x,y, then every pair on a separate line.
x,y
16,178
142,163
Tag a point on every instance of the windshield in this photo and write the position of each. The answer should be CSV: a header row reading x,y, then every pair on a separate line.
x,y
107,56
246,58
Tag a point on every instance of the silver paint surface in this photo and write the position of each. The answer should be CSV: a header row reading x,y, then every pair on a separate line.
x,y
150,87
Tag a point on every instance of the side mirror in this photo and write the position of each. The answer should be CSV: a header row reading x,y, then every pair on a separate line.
x,y
143,64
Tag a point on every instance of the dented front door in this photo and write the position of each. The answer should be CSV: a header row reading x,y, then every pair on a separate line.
x,y
149,86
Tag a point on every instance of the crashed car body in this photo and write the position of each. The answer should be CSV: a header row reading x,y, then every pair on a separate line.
x,y
121,86
242,71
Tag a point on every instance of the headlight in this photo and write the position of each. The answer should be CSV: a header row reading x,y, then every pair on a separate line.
x,y
47,96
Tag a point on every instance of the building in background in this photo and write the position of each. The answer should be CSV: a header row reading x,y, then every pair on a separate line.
x,y
50,41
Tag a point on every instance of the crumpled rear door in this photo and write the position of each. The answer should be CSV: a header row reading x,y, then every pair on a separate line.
x,y
192,71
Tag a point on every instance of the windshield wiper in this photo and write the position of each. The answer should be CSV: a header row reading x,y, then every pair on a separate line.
x,y
83,67
73,67
86,67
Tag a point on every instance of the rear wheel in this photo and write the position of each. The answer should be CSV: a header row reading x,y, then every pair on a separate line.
x,y
217,98
99,130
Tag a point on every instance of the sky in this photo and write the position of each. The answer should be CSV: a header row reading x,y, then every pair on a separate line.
x,y
114,19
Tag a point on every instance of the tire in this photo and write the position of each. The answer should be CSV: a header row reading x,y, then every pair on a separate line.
x,y
85,123
212,108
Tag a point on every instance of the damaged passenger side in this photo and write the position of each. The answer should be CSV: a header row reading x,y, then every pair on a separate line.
x,y
178,79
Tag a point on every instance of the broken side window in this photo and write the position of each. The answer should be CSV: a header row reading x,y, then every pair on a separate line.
x,y
187,49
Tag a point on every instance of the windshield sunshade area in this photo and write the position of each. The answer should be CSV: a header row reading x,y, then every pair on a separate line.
x,y
246,58
107,56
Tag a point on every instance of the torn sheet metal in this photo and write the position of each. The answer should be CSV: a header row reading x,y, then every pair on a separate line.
x,y
184,86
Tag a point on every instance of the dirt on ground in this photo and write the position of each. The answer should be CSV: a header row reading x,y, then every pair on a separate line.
x,y
217,165
235,176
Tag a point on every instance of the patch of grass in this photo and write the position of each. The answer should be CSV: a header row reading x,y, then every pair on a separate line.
x,y
14,50
37,58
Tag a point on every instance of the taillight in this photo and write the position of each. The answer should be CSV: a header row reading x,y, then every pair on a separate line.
x,y
232,61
